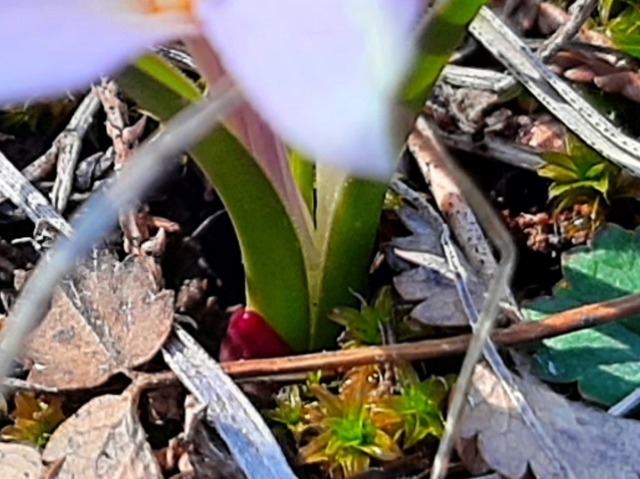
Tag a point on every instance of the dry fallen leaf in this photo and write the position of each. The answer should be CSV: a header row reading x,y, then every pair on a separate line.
x,y
103,440
106,318
439,300
433,283
588,442
20,461
544,133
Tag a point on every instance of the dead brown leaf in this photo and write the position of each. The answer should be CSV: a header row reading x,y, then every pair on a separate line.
x,y
108,317
433,283
20,461
589,442
588,67
544,133
625,82
103,440
439,301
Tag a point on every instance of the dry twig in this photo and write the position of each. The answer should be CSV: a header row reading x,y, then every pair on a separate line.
x,y
516,335
125,138
66,150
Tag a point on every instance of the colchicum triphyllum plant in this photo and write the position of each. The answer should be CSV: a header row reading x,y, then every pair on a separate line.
x,y
319,75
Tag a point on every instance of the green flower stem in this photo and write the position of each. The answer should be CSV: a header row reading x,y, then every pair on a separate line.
x,y
347,217
348,221
445,29
276,278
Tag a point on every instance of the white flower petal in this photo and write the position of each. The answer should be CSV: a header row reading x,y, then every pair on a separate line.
x,y
50,46
322,73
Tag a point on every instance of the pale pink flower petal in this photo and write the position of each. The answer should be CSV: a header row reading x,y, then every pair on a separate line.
x,y
258,138
323,74
50,46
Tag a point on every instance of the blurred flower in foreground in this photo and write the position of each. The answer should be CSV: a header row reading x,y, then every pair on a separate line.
x,y
323,73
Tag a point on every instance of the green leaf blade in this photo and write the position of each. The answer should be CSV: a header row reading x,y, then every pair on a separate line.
x,y
348,216
446,28
625,30
272,250
605,360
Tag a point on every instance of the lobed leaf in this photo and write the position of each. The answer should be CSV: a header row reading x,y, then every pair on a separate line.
x,y
605,361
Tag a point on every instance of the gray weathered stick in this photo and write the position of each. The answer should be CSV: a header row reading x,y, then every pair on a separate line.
x,y
555,94
228,410
68,146
15,187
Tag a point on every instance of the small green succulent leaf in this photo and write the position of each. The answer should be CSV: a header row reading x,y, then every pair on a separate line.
x,y
419,406
577,190
579,175
349,434
595,171
364,326
605,360
289,408
304,174
624,30
34,418
383,303
355,324
558,167
604,10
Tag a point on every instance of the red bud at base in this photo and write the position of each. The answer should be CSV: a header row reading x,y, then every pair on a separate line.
x,y
249,336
